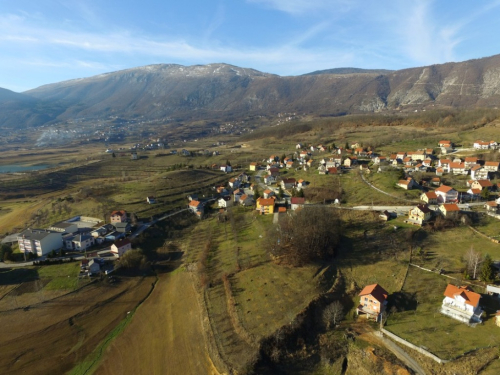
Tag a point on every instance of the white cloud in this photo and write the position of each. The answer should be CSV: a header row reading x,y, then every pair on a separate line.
x,y
297,7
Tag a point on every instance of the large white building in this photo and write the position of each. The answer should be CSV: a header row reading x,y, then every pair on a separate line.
x,y
39,241
462,304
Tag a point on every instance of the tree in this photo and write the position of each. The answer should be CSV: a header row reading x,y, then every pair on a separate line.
x,y
333,314
281,193
256,193
114,155
283,157
5,252
485,194
487,270
473,260
308,235
228,163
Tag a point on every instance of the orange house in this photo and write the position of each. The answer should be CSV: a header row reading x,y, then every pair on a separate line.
x,y
372,301
118,216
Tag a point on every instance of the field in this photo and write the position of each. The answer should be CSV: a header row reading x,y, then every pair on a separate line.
x,y
420,322
440,255
63,330
171,341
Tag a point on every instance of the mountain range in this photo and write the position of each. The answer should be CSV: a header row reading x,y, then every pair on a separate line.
x,y
222,91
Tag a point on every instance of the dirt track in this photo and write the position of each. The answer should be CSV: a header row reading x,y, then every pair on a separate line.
x,y
165,335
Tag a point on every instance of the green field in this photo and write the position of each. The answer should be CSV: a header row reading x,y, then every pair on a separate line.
x,y
423,325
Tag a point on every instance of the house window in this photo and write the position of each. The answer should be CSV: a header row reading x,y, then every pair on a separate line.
x,y
365,304
366,299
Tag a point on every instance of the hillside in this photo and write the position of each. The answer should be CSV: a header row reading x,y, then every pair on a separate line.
x,y
223,92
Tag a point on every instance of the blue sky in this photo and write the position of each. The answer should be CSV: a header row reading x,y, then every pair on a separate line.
x,y
48,41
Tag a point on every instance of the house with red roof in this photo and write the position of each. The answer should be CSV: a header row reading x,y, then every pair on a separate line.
x,y
446,194
449,210
118,216
120,247
429,197
372,301
462,304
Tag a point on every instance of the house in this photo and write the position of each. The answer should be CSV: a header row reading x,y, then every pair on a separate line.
x,y
297,202
449,210
121,247
122,227
474,193
269,179
440,171
372,301
480,145
298,146
491,166
93,267
348,162
481,184
253,166
446,194
322,169
225,202
289,164
288,183
445,143
301,183
436,181
246,200
429,197
420,214
39,241
197,207
151,200
268,193
491,206
407,184
265,206
458,168
334,170
226,168
385,215
118,216
470,161
462,304
133,156
234,183
309,163
477,172
82,242
379,159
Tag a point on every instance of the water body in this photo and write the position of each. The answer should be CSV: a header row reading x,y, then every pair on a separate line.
x,y
13,168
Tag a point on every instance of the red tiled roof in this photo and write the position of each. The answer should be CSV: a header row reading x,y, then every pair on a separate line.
x,y
266,202
465,292
298,200
450,207
431,195
376,291
444,189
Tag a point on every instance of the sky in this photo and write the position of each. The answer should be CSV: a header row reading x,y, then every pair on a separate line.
x,y
47,41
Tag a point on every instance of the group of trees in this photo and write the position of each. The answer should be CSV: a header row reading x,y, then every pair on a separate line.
x,y
309,235
478,266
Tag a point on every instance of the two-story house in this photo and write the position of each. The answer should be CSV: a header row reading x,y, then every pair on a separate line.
x,y
462,304
372,301
420,214
446,194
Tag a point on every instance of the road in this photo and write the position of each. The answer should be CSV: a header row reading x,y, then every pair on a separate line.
x,y
400,353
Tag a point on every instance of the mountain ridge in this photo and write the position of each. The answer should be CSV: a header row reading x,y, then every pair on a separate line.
x,y
223,91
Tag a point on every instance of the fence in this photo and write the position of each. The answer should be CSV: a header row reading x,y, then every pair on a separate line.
x,y
412,346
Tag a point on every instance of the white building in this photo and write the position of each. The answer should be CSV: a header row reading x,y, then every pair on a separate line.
x,y
121,247
39,241
462,304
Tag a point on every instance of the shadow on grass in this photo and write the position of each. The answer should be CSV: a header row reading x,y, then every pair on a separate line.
x,y
9,276
403,301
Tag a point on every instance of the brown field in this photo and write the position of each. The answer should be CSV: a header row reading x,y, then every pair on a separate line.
x,y
52,337
172,340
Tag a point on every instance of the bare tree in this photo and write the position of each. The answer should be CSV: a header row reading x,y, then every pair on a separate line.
x,y
333,314
473,260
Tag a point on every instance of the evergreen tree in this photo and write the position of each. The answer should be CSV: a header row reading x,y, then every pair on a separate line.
x,y
281,193
485,194
487,270
228,163
256,193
